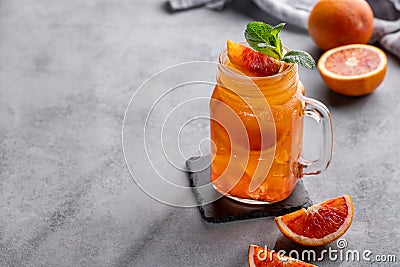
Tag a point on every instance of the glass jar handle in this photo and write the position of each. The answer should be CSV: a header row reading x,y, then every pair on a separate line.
x,y
320,113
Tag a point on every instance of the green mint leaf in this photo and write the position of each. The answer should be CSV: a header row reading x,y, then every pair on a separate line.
x,y
276,30
257,30
260,33
279,46
266,49
300,57
264,45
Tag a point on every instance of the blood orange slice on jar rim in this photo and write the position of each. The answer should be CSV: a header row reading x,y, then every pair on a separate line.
x,y
251,62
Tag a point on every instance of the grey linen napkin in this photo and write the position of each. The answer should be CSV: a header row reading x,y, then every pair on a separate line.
x,y
387,25
296,12
177,5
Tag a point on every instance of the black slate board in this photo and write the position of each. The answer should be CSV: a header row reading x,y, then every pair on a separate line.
x,y
225,209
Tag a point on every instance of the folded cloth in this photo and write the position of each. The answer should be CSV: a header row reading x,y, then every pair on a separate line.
x,y
294,12
387,34
386,21
177,5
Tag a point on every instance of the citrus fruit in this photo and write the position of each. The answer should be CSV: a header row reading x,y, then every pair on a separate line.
x,y
333,23
261,257
251,62
319,224
353,70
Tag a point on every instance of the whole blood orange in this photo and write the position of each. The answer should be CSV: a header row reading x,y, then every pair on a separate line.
x,y
334,23
251,62
353,70
319,224
260,257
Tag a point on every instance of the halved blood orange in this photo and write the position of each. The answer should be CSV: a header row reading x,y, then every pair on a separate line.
x,y
261,257
353,70
319,224
251,62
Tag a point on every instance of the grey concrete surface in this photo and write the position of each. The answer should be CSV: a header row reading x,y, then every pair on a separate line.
x,y
67,72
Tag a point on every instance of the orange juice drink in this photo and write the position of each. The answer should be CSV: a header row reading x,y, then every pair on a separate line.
x,y
257,131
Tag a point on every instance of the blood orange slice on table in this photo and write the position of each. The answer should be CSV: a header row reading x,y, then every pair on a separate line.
x,y
319,224
353,70
261,257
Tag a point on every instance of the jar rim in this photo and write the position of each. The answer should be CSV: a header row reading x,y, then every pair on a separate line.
x,y
224,54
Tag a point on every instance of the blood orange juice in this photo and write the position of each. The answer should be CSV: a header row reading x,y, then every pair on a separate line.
x,y
257,131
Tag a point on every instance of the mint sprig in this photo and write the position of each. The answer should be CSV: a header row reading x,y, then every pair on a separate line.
x,y
265,39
